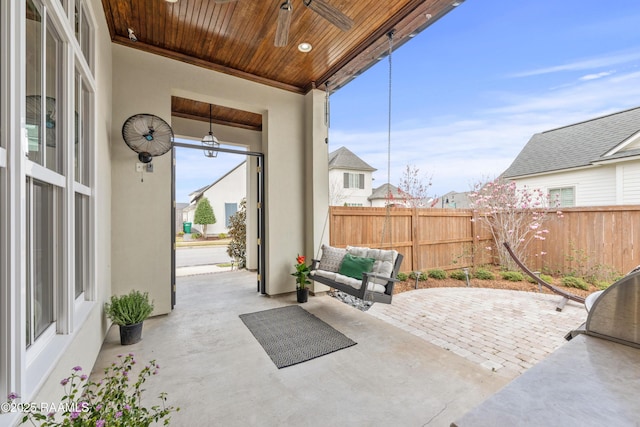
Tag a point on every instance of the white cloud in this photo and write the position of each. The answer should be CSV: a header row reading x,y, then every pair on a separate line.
x,y
596,76
461,151
585,64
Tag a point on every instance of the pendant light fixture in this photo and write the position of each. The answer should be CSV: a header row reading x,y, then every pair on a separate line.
x,y
210,142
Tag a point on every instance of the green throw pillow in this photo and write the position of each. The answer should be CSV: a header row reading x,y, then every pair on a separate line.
x,y
354,266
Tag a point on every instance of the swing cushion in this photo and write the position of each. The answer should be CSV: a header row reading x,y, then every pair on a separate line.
x,y
354,266
331,258
384,260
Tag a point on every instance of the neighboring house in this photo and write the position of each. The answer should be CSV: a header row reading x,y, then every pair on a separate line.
x,y
224,197
350,179
380,195
179,218
591,163
453,200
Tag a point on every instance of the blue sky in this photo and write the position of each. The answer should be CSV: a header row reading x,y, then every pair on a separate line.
x,y
470,91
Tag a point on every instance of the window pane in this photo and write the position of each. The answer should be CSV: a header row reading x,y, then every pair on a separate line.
x,y
34,82
85,35
29,260
567,197
42,257
52,117
82,131
77,18
229,210
81,246
43,91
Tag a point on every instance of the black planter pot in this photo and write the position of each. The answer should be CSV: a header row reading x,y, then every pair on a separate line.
x,y
130,334
302,294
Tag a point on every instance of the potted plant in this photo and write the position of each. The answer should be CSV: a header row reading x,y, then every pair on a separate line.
x,y
302,279
128,312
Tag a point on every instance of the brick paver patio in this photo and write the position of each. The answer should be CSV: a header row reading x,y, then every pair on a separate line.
x,y
501,330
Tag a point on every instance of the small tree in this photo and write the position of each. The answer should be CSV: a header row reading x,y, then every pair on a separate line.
x,y
413,187
513,215
237,248
204,214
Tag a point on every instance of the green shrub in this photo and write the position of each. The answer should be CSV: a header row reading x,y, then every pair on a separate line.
x,y
237,248
602,285
402,276
129,309
484,274
575,282
512,276
180,233
222,236
544,277
419,274
437,274
196,235
458,275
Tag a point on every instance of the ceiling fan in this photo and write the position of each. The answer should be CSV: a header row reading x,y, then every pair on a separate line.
x,y
321,7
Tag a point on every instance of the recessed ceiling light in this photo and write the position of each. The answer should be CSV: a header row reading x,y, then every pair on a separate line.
x,y
305,47
171,1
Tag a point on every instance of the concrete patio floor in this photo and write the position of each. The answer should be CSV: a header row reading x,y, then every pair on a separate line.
x,y
216,372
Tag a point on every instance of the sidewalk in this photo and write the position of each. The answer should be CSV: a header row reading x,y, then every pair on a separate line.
x,y
200,269
501,330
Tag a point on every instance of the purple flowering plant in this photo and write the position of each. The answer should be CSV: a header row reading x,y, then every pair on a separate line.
x,y
113,401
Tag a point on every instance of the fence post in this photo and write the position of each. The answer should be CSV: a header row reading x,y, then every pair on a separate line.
x,y
414,240
474,236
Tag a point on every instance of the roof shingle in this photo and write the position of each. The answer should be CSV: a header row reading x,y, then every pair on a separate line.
x,y
577,145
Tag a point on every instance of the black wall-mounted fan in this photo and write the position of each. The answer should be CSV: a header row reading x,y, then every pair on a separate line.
x,y
147,135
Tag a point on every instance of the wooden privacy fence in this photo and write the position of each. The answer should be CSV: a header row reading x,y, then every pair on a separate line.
x,y
580,240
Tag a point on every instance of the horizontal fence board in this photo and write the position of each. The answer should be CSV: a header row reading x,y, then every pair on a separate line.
x,y
580,240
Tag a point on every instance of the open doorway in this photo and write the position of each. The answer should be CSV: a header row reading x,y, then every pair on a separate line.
x,y
224,174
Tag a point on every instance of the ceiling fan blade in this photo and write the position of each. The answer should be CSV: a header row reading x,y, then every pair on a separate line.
x,y
284,23
330,13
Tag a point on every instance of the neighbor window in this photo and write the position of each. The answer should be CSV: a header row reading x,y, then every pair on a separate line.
x,y
562,197
229,210
353,180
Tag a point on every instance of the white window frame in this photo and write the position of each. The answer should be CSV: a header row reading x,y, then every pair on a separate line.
x,y
559,189
354,178
24,370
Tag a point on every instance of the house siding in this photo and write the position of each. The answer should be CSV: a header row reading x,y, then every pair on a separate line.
x,y
230,189
631,183
349,196
593,186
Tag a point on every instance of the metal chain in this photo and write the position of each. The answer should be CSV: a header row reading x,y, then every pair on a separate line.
x,y
388,207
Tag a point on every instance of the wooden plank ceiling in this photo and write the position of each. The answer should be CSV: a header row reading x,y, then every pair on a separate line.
x,y
237,37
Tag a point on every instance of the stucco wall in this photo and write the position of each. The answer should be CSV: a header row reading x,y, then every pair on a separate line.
x,y
144,83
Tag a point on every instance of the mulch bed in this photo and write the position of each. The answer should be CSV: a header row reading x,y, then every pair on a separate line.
x,y
525,286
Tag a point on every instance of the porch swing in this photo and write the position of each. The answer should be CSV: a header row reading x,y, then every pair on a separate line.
x,y
365,273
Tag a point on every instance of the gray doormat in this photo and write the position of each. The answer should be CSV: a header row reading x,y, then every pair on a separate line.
x,y
291,335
